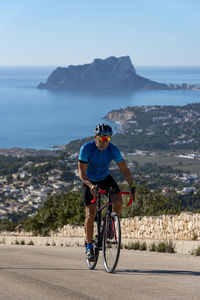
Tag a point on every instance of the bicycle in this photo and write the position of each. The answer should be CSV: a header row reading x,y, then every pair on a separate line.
x,y
108,238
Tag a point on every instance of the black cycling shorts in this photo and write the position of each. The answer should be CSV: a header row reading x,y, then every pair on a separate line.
x,y
105,184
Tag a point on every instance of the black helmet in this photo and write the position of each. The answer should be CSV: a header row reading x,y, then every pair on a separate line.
x,y
103,130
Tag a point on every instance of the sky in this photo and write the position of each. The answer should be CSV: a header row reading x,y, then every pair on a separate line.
x,y
64,32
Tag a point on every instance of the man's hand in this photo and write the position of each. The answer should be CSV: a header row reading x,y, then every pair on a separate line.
x,y
93,189
133,190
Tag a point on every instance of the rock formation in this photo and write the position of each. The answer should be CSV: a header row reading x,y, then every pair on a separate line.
x,y
109,74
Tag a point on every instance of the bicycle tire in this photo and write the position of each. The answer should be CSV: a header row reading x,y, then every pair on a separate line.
x,y
92,264
111,243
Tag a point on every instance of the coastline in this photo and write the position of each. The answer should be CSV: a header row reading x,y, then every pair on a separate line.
x,y
15,151
20,105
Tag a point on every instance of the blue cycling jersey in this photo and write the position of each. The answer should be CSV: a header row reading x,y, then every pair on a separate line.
x,y
98,161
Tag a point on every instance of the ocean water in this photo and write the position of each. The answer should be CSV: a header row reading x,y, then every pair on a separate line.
x,y
40,119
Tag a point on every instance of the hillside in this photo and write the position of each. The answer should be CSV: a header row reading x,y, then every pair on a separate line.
x,y
153,128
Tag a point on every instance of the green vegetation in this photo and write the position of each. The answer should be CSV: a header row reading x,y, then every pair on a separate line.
x,y
74,146
156,176
39,167
166,247
152,247
195,236
56,212
31,243
196,252
67,208
143,246
10,164
133,246
7,225
149,203
168,159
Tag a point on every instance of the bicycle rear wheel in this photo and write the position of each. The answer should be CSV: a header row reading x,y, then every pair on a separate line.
x,y
111,242
92,263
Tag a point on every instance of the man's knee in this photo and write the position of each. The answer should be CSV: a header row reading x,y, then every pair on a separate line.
x,y
90,212
117,203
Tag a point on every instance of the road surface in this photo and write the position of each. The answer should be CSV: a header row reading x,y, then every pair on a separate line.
x,y
56,273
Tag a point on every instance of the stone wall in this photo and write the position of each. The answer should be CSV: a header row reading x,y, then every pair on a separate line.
x,y
185,226
183,230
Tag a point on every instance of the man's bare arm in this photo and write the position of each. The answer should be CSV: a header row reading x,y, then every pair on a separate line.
x,y
82,167
126,172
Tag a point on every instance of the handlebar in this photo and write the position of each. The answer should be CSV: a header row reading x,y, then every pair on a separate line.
x,y
120,193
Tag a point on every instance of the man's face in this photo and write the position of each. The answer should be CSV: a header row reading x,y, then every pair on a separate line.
x,y
101,144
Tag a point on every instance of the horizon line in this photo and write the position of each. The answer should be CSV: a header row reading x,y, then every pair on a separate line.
x,y
135,66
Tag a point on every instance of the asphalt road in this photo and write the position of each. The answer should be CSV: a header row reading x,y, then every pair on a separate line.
x,y
54,273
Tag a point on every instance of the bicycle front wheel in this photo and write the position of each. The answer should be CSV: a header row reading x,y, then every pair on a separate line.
x,y
111,242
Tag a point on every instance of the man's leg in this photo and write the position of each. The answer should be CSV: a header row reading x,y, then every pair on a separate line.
x,y
90,211
117,203
109,183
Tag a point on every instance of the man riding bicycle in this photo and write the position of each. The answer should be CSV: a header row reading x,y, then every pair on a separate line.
x,y
94,159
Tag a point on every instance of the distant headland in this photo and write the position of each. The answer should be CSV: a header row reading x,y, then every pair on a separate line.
x,y
111,73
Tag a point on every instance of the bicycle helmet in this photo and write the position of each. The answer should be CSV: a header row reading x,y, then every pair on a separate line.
x,y
103,130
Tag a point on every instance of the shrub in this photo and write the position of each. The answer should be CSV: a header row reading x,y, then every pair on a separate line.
x,y
165,247
22,242
152,247
170,248
196,252
133,246
194,236
143,246
57,211
31,243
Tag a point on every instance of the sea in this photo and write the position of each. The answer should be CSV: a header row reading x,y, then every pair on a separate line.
x,y
43,119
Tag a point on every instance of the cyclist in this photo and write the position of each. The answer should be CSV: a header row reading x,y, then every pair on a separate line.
x,y
93,164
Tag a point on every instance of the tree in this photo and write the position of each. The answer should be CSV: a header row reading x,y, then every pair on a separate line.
x,y
57,211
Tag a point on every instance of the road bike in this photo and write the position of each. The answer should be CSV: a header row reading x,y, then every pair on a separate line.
x,y
108,237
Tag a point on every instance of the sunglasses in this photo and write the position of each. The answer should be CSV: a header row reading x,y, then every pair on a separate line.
x,y
104,138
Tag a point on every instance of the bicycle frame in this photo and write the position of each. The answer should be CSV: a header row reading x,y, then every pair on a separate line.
x,y
104,239
109,209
